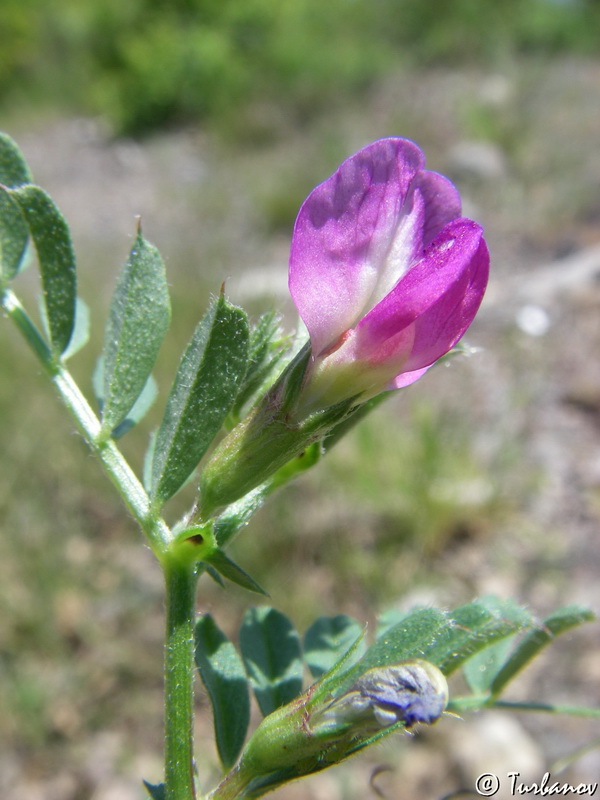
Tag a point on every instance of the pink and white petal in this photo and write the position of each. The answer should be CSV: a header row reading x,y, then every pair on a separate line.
x,y
439,329
432,202
406,378
403,248
442,202
343,232
455,264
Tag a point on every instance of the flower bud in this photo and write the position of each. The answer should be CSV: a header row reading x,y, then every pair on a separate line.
x,y
315,730
265,441
387,277
385,273
410,692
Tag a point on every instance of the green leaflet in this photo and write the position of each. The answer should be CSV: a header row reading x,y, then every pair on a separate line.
x,y
138,320
56,258
328,639
266,350
139,409
14,170
410,638
14,233
388,618
205,387
223,675
558,622
272,655
473,627
81,329
14,236
447,639
481,669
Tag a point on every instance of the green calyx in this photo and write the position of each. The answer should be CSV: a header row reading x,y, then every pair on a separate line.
x,y
256,449
269,438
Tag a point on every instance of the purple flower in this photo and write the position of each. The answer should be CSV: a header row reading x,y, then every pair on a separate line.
x,y
385,273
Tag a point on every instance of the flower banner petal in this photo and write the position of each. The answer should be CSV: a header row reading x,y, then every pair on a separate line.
x,y
342,234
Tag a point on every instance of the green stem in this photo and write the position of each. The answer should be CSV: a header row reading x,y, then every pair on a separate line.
x,y
180,575
115,465
180,583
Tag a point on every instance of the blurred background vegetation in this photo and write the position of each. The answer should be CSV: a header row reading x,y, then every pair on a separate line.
x,y
213,119
146,64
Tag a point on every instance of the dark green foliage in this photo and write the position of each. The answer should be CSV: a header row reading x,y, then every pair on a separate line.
x,y
474,627
225,680
81,329
447,639
272,654
411,638
14,236
14,170
138,410
327,640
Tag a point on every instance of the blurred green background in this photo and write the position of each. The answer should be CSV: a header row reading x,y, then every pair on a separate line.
x,y
213,119
147,63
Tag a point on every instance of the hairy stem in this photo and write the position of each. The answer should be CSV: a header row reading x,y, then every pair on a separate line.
x,y
180,583
116,467
180,577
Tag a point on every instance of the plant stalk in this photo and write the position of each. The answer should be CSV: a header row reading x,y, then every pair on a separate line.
x,y
118,470
180,585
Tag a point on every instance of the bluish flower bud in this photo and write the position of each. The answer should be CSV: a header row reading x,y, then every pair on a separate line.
x,y
317,730
410,692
